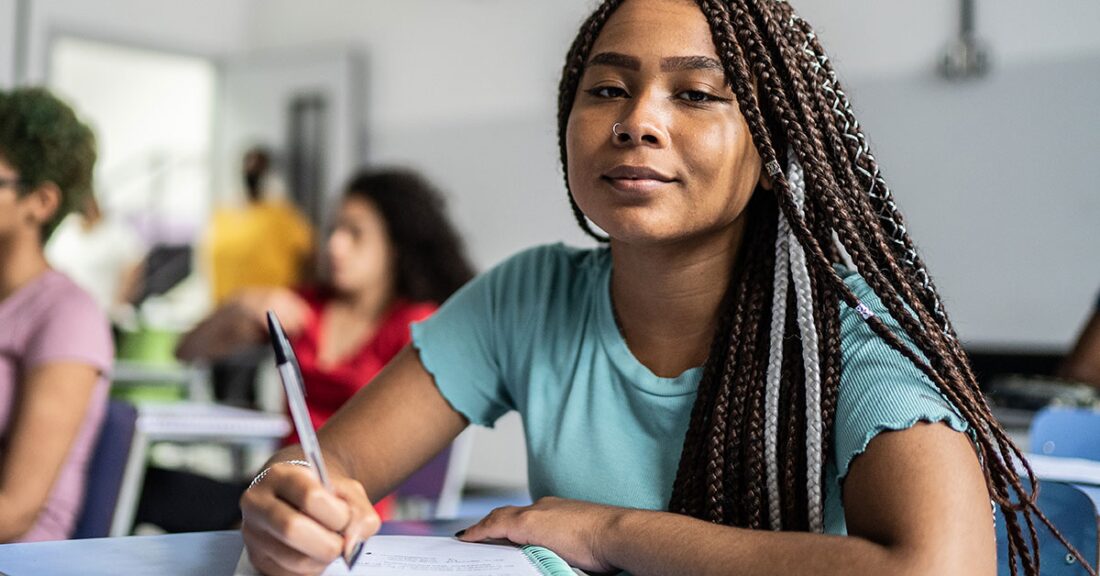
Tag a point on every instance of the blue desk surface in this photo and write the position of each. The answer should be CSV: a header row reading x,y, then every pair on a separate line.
x,y
199,553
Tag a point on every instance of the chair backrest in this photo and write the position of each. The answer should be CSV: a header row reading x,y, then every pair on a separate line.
x,y
1075,515
105,471
435,491
1066,432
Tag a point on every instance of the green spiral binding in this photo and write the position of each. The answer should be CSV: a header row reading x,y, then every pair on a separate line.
x,y
547,562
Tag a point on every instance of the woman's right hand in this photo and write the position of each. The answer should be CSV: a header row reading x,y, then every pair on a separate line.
x,y
292,525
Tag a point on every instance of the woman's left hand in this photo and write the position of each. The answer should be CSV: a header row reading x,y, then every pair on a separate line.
x,y
575,530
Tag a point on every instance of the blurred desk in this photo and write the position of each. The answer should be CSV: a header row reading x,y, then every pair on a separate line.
x,y
1061,469
190,422
1084,474
196,379
199,553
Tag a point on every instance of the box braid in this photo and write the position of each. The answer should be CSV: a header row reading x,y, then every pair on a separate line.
x,y
761,425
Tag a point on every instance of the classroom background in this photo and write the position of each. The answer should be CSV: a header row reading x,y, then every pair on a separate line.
x,y
993,164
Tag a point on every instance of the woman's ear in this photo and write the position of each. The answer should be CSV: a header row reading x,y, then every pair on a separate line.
x,y
42,203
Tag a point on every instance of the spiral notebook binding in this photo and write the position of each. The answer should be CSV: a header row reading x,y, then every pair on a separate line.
x,y
547,562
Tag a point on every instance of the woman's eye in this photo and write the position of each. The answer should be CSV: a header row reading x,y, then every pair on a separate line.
x,y
697,96
607,92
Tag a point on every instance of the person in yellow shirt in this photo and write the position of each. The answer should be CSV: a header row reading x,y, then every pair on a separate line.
x,y
268,242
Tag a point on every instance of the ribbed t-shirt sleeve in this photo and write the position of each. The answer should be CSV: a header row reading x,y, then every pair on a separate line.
x,y
74,330
880,389
467,343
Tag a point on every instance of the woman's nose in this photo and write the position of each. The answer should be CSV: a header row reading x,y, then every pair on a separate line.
x,y
644,124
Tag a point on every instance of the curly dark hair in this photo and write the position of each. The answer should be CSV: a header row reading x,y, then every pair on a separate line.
x,y
41,137
431,259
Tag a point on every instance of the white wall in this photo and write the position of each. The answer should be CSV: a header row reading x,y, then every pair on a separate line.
x,y
199,27
7,43
901,37
1001,188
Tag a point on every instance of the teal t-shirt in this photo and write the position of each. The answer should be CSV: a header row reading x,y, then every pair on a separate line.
x,y
536,334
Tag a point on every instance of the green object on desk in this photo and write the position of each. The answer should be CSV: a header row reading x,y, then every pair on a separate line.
x,y
150,347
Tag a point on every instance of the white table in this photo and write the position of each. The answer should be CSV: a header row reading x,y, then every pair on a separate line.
x,y
198,554
189,422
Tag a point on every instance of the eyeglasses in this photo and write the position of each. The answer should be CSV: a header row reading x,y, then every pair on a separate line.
x,y
15,183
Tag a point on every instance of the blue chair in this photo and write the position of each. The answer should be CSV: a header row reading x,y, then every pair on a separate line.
x,y
435,491
105,471
1066,432
1075,515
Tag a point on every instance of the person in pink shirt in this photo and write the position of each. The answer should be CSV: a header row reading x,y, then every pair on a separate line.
x,y
55,342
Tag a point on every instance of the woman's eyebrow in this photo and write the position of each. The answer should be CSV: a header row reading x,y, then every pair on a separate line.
x,y
670,64
678,63
616,60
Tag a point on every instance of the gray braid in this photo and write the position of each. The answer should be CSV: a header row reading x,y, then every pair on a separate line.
x,y
775,369
790,258
811,359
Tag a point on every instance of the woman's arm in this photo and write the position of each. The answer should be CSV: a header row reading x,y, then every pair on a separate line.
x,y
241,322
387,431
915,503
53,400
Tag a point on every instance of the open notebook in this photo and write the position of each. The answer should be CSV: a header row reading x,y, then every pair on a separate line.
x,y
429,555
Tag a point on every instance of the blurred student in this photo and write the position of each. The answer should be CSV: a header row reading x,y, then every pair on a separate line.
x,y
55,344
393,257
265,243
1083,362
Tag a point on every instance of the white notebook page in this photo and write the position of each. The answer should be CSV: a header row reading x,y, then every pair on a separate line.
x,y
425,556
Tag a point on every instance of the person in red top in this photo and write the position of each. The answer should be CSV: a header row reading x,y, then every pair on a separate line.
x,y
391,259
330,383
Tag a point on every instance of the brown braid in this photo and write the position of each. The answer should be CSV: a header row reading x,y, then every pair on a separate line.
x,y
791,99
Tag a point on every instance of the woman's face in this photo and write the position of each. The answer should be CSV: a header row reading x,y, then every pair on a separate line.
x,y
17,214
683,164
360,255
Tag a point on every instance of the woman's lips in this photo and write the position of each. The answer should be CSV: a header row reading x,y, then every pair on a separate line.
x,y
636,178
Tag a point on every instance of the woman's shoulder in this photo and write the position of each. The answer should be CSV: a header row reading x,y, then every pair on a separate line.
x,y
851,320
60,295
880,389
64,321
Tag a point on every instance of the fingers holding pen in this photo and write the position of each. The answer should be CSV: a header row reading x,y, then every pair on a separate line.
x,y
271,556
303,491
363,522
282,509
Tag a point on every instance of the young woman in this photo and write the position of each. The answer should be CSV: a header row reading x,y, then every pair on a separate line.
x,y
55,342
391,258
714,392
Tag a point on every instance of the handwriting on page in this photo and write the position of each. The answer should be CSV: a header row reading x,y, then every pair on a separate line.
x,y
425,556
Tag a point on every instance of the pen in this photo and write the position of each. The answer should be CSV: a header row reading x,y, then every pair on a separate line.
x,y
291,375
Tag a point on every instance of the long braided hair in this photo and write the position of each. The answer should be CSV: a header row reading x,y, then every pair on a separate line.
x,y
754,452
